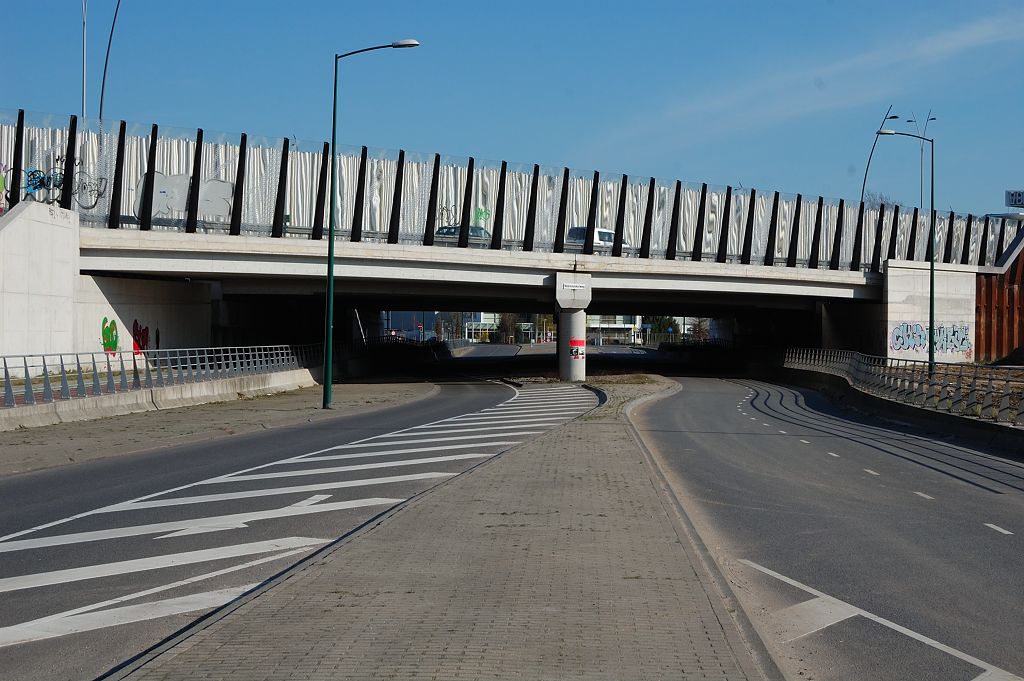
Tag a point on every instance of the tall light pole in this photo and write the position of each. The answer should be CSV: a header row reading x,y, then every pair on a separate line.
x,y
921,131
931,247
889,116
329,302
106,60
85,10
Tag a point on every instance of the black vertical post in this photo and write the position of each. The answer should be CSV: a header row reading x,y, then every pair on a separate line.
x,y
428,226
773,232
965,255
114,214
497,233
697,252
837,240
277,228
563,205
912,239
620,218
723,235
467,201
595,188
531,211
947,255
395,224
794,233
194,185
357,209
812,262
236,203
748,232
983,250
930,250
876,251
673,230
321,194
1002,237
858,240
17,163
67,186
894,233
146,206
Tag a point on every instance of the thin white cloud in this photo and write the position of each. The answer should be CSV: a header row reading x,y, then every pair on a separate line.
x,y
778,96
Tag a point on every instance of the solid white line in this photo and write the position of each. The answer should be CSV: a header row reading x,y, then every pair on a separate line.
x,y
386,452
573,402
868,470
522,420
382,443
522,411
997,528
345,469
258,493
315,499
923,495
189,525
995,672
153,563
469,430
33,631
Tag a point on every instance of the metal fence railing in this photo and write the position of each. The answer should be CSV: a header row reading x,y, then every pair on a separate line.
x,y
984,392
34,379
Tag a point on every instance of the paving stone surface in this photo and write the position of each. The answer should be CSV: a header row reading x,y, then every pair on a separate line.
x,y
557,560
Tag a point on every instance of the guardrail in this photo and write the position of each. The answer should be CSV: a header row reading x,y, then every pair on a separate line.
x,y
34,379
984,392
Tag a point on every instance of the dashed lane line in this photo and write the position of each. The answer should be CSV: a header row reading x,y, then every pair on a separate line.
x,y
997,528
868,470
341,469
923,495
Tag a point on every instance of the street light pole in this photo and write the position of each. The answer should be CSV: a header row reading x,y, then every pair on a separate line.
x,y
889,116
932,249
328,369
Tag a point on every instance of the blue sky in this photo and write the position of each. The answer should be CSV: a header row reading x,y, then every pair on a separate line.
x,y
780,95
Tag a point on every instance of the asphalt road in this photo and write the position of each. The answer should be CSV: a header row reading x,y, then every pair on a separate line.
x,y
98,561
859,549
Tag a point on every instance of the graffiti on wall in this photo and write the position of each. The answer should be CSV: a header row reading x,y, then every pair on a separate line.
x,y
170,196
47,186
109,335
913,336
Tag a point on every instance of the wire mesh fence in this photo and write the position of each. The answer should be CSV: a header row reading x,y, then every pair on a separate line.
x,y
36,379
984,392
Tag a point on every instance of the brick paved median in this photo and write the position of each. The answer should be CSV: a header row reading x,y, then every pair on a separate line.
x,y
557,560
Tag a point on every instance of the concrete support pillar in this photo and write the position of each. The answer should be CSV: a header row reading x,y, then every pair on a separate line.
x,y
572,349
573,295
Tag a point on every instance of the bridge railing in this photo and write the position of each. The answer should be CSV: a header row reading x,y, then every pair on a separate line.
x,y
984,392
38,379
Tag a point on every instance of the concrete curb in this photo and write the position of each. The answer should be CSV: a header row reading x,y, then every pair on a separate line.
x,y
154,399
749,637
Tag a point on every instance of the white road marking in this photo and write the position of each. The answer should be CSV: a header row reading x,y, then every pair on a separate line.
x,y
189,525
73,624
153,563
810,616
256,493
386,452
834,454
9,635
752,418
523,411
345,469
783,432
997,528
992,673
868,470
476,420
387,443
923,495
534,401
315,499
469,430
765,424
805,442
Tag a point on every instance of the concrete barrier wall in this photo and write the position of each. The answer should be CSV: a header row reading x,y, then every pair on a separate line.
x,y
154,399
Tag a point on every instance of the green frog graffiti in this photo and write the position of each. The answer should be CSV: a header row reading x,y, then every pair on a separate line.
x,y
109,335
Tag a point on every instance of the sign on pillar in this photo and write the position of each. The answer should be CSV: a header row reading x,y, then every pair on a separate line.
x,y
578,348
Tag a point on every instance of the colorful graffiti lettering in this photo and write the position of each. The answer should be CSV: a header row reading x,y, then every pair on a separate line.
x,y
109,334
481,215
140,337
948,339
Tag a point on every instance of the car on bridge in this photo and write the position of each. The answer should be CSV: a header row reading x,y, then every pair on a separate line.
x,y
449,236
604,239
